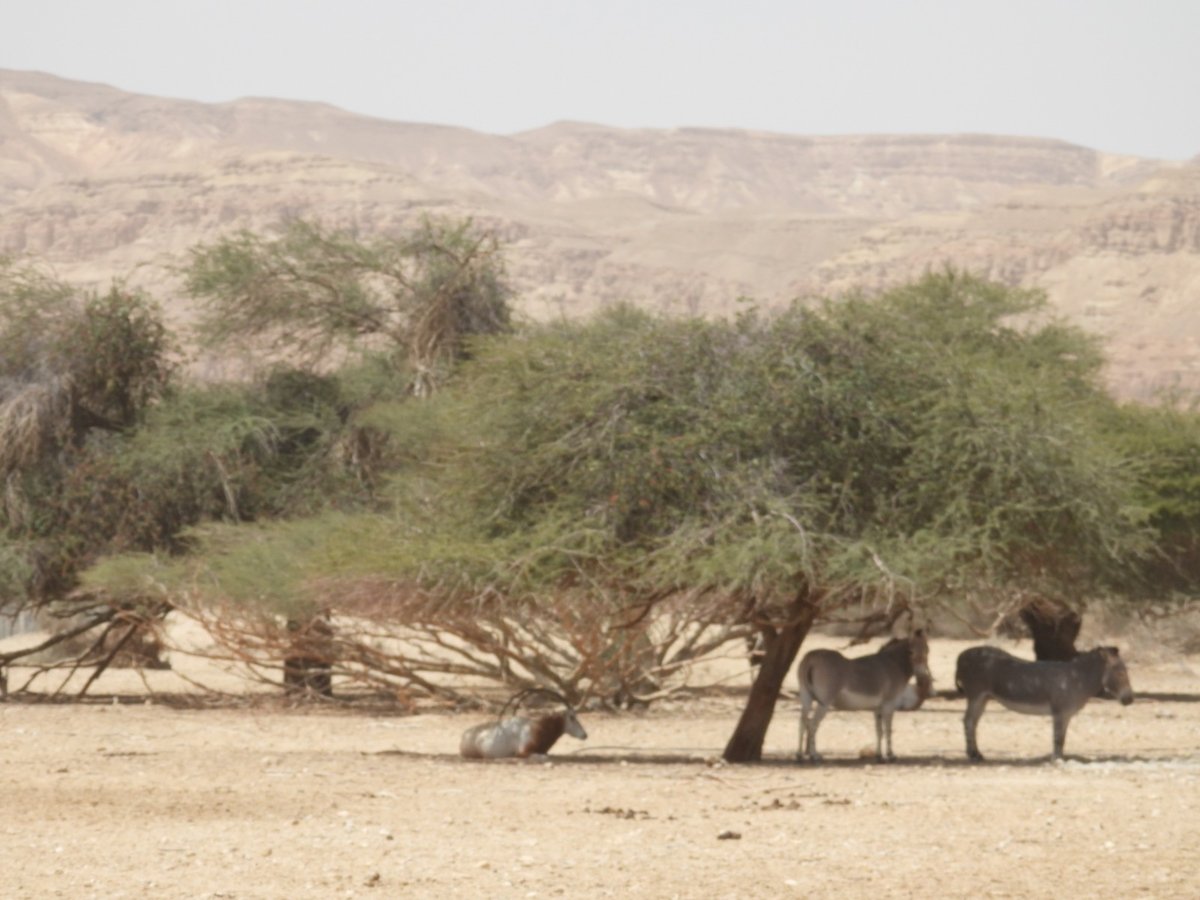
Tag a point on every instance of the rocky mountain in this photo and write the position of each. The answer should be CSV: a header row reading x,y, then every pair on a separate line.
x,y
101,182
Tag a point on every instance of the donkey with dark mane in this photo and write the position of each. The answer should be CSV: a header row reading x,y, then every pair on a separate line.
x,y
876,682
1044,688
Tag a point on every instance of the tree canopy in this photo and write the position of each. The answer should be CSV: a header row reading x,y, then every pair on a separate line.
x,y
923,430
312,290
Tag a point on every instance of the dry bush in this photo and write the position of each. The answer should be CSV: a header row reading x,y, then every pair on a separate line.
x,y
390,640
89,631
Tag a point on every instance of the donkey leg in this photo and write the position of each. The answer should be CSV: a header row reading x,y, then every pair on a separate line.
x,y
805,710
975,708
1061,720
883,733
813,724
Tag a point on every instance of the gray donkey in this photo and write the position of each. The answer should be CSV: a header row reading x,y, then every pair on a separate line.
x,y
876,682
1045,688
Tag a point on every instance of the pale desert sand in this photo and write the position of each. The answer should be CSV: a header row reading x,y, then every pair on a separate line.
x,y
142,799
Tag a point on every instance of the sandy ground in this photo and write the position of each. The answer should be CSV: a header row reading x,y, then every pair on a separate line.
x,y
146,800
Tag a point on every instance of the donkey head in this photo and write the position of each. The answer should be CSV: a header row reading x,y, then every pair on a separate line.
x,y
915,649
918,656
1116,679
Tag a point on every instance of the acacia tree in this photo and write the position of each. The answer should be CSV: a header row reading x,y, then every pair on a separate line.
x,y
310,291
868,454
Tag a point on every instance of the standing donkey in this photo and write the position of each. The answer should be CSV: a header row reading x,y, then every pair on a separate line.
x,y
1045,688
876,682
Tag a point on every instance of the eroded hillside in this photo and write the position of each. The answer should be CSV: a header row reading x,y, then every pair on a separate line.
x,y
101,182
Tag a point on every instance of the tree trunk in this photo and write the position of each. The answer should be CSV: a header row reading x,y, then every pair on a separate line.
x,y
781,648
308,666
1053,627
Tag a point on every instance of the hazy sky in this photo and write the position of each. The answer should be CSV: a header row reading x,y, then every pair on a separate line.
x,y
1116,75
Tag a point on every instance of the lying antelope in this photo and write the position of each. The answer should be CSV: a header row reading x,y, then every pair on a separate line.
x,y
521,736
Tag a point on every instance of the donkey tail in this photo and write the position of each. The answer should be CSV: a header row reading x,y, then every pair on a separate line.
x,y
805,677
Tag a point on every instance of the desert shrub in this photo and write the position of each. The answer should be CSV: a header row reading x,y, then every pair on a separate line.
x,y
853,459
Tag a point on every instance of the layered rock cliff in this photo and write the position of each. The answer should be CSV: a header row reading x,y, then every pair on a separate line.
x,y
103,183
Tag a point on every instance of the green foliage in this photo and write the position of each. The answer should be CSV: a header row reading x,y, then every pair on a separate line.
x,y
923,441
311,291
277,448
1164,443
76,369
16,574
121,353
71,363
279,567
35,308
982,463
283,447
113,347
595,421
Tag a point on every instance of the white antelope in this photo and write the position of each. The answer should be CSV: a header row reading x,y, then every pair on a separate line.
x,y
521,736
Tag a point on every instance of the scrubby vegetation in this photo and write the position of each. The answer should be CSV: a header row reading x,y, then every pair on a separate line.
x,y
428,490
